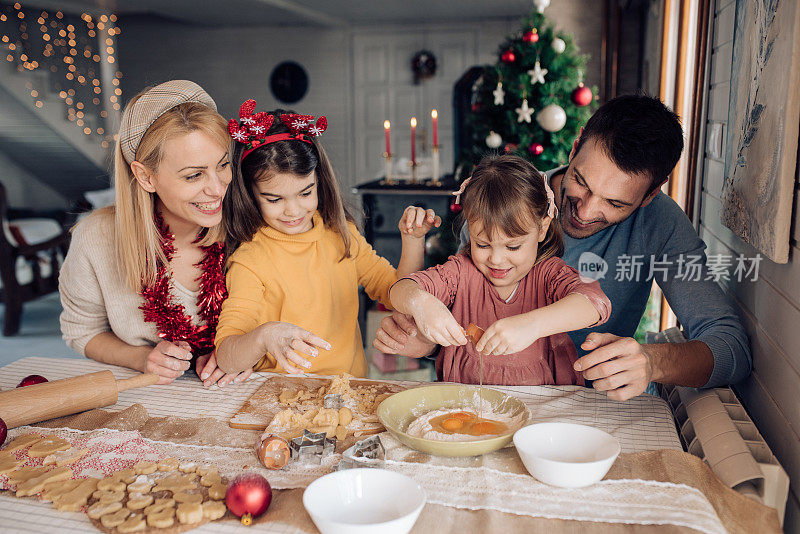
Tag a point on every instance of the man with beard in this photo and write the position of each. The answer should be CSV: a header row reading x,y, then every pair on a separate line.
x,y
620,229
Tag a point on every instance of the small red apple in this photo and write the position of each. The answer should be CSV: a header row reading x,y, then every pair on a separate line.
x,y
31,380
248,496
3,432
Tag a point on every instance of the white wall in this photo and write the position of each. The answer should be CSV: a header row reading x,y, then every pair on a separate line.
x,y
769,307
25,191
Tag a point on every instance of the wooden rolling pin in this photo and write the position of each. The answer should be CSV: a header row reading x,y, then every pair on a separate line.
x,y
31,404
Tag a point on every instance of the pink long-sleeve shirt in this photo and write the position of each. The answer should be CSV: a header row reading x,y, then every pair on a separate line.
x,y
472,299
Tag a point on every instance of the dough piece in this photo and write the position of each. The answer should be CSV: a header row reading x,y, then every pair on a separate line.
x,y
341,432
205,470
160,504
188,467
168,464
134,523
175,483
74,500
210,479
22,442
36,484
125,475
213,510
55,489
137,501
189,513
99,509
345,415
48,445
217,491
25,473
164,518
115,519
182,496
288,396
67,457
145,468
8,462
111,484
108,496
142,484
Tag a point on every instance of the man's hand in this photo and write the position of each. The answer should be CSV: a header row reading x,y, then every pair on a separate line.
x,y
398,334
620,366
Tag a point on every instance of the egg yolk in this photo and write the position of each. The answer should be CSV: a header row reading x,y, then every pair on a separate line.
x,y
452,424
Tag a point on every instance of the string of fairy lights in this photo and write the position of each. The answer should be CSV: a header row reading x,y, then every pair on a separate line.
x,y
67,55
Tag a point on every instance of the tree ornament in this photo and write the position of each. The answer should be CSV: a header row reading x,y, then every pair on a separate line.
x,y
531,36
423,65
541,5
31,380
455,208
536,149
510,148
493,140
3,432
537,74
248,496
524,112
508,57
552,118
558,45
582,95
499,95
476,107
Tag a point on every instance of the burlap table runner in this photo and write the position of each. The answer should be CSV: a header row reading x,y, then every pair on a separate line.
x,y
737,513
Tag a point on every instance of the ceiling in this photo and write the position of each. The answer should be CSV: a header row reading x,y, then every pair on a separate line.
x,y
326,13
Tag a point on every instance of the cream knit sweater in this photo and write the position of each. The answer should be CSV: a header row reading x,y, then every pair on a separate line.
x,y
94,296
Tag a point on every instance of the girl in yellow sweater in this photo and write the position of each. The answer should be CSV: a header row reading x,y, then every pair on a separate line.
x,y
293,280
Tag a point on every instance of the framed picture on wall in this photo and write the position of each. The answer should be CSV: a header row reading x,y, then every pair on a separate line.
x,y
763,124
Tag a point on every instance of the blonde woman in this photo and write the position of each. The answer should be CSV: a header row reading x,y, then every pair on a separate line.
x,y
143,282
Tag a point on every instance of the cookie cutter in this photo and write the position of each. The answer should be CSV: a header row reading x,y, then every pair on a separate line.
x,y
332,400
365,453
311,447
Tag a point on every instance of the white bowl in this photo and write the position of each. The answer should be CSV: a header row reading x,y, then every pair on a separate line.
x,y
361,501
566,455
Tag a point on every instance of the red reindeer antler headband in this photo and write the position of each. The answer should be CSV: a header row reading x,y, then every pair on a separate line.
x,y
251,130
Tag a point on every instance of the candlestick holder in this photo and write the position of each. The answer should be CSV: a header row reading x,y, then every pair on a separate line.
x,y
436,182
413,164
387,179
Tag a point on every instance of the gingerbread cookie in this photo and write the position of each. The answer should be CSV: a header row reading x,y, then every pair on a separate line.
x,y
108,496
111,484
142,484
217,491
22,442
213,510
145,468
25,473
164,518
76,498
168,464
182,497
36,484
137,501
115,519
99,509
48,445
67,457
189,513
53,490
175,483
8,462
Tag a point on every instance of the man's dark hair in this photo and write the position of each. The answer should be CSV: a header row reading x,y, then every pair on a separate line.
x,y
640,134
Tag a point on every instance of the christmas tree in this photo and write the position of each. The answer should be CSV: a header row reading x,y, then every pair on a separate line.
x,y
532,102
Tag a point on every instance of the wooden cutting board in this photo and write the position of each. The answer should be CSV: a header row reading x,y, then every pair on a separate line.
x,y
257,411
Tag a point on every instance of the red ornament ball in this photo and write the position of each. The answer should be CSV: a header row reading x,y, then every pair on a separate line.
x,y
31,380
3,432
455,208
582,96
536,149
510,148
248,496
508,56
531,36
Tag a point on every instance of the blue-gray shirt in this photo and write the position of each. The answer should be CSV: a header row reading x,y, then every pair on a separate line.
x,y
660,241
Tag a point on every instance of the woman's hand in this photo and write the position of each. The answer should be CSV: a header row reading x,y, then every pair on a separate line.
x,y
436,323
416,222
507,336
167,360
209,373
284,341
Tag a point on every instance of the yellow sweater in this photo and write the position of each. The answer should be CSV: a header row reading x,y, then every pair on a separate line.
x,y
299,279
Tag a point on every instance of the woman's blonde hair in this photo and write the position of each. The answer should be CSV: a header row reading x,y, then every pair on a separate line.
x,y
137,240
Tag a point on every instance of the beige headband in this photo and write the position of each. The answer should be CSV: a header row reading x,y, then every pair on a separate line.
x,y
151,105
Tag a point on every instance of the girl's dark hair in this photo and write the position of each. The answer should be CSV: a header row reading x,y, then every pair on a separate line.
x,y
506,193
241,211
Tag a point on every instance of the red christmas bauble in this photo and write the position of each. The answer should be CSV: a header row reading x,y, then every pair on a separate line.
x,y
248,496
508,56
531,36
3,432
582,96
510,147
31,380
536,149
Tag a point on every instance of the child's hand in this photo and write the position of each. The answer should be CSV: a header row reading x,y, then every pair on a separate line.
x,y
210,374
284,340
507,336
416,222
436,322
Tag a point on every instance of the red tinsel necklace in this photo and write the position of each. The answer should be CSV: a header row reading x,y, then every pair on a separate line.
x,y
170,317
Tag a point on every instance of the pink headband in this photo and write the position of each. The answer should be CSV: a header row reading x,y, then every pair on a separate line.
x,y
552,211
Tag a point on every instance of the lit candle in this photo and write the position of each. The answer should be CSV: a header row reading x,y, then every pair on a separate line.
x,y
386,129
435,118
413,140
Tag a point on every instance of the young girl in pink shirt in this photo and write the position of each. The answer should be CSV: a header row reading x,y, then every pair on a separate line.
x,y
510,281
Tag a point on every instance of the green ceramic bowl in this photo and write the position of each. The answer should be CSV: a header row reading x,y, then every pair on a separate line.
x,y
397,412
